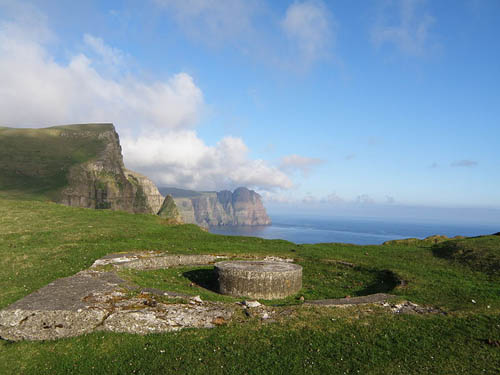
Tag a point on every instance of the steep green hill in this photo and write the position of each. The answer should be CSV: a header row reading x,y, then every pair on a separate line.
x,y
77,165
36,162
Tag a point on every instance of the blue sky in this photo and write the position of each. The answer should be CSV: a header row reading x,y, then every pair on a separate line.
x,y
365,105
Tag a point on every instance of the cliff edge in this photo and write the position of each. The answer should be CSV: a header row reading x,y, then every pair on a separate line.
x,y
76,165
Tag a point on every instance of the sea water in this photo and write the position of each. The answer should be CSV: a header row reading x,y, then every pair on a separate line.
x,y
360,231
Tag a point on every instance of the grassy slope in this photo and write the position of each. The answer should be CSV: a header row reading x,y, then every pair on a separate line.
x,y
480,253
40,242
40,169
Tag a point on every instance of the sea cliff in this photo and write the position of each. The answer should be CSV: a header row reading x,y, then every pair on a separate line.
x,y
241,207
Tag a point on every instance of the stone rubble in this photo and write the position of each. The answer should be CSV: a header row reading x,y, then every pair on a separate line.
x,y
251,303
278,259
408,307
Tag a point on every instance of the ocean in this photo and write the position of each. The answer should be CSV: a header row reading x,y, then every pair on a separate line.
x,y
360,231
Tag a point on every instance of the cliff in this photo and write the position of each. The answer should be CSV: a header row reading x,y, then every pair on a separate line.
x,y
241,207
82,166
169,211
76,165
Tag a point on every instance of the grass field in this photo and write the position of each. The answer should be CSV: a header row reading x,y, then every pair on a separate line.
x,y
40,242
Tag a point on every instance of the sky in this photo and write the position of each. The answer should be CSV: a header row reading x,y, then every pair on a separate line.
x,y
368,107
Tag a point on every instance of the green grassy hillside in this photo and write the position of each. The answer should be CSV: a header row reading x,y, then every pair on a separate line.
x,y
480,253
42,241
35,162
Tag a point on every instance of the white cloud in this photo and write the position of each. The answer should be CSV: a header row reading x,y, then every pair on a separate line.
x,y
155,119
213,21
296,162
183,159
410,32
109,55
36,90
309,25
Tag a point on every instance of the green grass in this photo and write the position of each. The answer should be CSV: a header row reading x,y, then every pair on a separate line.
x,y
481,253
321,280
41,241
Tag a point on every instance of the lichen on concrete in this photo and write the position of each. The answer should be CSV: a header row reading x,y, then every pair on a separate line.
x,y
98,299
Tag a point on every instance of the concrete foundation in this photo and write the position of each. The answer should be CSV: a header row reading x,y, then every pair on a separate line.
x,y
259,279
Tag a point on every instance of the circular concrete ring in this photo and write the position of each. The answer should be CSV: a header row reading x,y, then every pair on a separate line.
x,y
258,279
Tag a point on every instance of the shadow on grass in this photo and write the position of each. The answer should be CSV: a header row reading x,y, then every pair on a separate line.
x,y
384,282
205,278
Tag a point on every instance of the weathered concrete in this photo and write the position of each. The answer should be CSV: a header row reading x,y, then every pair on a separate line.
x,y
61,309
259,279
372,298
164,318
98,299
151,260
95,299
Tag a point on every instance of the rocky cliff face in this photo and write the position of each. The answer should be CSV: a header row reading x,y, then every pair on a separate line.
x,y
154,199
241,207
248,208
104,183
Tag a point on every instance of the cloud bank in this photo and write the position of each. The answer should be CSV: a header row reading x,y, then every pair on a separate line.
x,y
182,159
156,119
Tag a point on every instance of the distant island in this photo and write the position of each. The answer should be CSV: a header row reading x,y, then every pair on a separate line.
x,y
82,166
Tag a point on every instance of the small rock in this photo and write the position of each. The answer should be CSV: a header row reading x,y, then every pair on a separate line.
x,y
151,303
252,303
197,299
265,316
301,298
473,301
